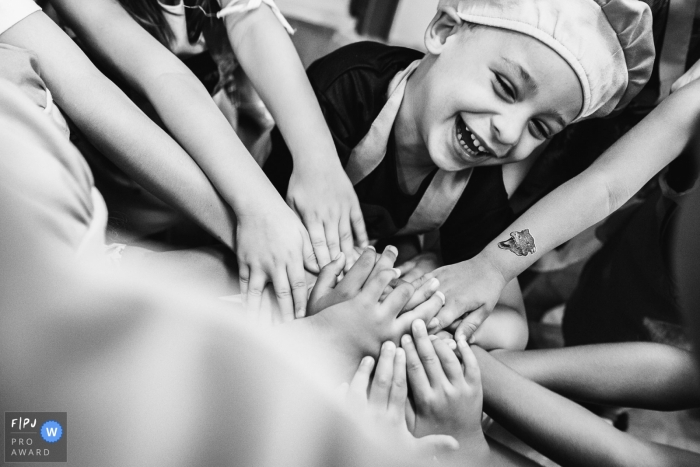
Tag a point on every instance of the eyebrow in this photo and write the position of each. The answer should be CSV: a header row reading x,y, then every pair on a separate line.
x,y
530,83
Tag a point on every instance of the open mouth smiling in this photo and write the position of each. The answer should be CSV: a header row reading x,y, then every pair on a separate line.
x,y
471,145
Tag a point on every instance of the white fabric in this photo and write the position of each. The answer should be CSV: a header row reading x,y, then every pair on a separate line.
x,y
607,43
445,188
241,7
181,45
14,11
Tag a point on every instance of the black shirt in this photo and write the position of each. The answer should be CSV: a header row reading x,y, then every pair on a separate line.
x,y
351,86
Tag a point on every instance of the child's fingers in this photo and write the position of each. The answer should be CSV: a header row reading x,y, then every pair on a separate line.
x,y
471,323
397,299
243,279
406,266
386,261
450,362
425,311
422,280
472,372
358,226
356,277
345,232
399,388
297,280
423,293
420,384
328,278
317,237
375,285
383,376
256,285
309,257
283,292
360,381
332,236
426,352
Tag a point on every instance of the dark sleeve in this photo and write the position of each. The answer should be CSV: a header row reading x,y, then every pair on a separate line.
x,y
350,85
480,215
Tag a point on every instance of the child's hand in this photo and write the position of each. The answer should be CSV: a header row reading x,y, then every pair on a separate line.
x,y
385,402
328,291
357,318
472,287
325,200
419,265
273,246
448,399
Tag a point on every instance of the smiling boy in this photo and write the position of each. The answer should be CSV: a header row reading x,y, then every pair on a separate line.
x,y
431,142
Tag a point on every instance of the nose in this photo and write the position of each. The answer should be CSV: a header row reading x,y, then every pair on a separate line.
x,y
507,129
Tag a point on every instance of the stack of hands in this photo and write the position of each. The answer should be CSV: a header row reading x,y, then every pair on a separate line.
x,y
372,316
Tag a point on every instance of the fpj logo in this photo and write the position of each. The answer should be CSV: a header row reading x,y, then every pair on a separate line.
x,y
36,437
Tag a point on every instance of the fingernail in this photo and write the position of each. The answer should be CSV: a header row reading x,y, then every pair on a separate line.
x,y
388,345
405,339
434,284
301,312
370,247
338,256
461,342
471,340
366,361
441,296
419,327
452,344
434,323
433,337
397,271
392,249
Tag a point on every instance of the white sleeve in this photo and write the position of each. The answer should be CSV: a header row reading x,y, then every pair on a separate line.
x,y
14,11
241,7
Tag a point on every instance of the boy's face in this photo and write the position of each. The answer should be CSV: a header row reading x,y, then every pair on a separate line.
x,y
491,96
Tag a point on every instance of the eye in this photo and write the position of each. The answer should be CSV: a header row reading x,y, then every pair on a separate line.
x,y
505,87
539,130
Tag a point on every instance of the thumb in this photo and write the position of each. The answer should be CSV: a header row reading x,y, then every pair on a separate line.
x,y
435,445
407,266
328,277
471,323
310,262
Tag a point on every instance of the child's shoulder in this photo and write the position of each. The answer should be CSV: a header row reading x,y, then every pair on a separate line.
x,y
376,62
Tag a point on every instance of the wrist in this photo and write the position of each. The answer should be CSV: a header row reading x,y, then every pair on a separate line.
x,y
493,263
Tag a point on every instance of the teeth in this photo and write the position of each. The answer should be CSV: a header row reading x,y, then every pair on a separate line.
x,y
482,149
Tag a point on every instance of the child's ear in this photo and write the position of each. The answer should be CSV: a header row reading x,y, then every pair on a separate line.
x,y
445,23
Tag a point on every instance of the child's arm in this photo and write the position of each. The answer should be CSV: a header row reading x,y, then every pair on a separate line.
x,y
271,243
635,374
586,199
319,190
562,430
120,129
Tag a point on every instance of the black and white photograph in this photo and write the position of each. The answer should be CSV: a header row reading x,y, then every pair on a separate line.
x,y
315,233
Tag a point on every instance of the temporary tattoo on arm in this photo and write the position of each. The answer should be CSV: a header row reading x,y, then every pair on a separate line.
x,y
520,243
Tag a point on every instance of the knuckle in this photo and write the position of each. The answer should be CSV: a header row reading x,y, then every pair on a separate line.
x,y
298,285
413,366
345,236
428,359
283,293
255,291
382,381
318,242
